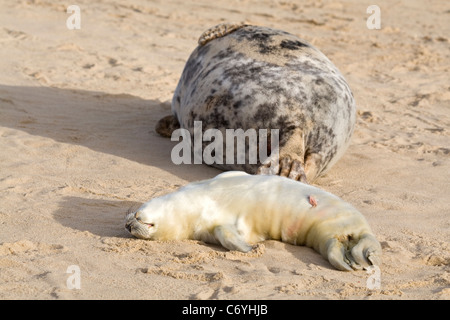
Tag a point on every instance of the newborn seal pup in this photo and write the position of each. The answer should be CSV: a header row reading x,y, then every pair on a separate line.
x,y
251,77
236,210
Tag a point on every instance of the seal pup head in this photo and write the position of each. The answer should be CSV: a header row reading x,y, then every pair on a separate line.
x,y
141,224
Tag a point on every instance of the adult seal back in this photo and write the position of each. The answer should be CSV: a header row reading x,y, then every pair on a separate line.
x,y
251,77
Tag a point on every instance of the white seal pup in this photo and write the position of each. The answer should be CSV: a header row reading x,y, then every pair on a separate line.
x,y
237,210
251,77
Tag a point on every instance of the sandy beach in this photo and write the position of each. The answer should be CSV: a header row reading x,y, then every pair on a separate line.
x,y
78,148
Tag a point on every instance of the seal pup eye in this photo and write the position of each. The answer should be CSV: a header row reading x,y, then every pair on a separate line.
x,y
138,218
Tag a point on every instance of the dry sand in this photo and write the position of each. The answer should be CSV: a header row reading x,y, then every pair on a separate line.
x,y
78,148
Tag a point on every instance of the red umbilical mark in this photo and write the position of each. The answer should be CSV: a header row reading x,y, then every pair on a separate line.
x,y
312,201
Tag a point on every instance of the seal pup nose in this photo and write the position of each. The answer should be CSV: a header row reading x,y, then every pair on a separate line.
x,y
129,218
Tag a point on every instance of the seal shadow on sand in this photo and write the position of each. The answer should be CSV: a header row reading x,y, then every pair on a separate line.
x,y
104,218
118,124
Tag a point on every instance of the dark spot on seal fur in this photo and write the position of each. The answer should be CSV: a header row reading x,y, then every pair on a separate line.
x,y
222,54
292,45
264,114
263,40
323,95
214,101
237,104
254,35
192,68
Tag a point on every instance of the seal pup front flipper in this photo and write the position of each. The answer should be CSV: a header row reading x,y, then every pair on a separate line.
x,y
229,237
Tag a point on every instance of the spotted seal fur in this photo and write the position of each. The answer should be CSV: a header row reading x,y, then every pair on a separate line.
x,y
237,210
254,77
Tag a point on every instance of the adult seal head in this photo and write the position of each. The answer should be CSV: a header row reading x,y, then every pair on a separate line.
x,y
237,210
251,77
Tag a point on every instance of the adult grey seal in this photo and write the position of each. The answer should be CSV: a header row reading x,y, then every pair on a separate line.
x,y
236,210
250,77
